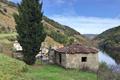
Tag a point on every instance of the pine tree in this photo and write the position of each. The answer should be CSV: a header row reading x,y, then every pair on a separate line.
x,y
30,29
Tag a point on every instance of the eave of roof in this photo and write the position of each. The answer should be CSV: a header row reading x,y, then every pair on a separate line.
x,y
77,49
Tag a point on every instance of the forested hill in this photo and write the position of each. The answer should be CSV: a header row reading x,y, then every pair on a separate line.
x,y
110,37
109,41
57,33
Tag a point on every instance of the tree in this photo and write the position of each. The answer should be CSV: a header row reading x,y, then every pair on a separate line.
x,y
30,29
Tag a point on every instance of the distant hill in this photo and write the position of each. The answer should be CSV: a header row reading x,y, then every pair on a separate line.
x,y
90,36
111,37
57,33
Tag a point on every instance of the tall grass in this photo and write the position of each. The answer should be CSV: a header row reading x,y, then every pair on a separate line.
x,y
53,72
12,69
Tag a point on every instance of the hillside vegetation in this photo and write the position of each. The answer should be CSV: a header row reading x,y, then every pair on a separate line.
x,y
59,33
109,41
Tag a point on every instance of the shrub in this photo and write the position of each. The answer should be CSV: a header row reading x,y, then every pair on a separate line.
x,y
107,73
58,37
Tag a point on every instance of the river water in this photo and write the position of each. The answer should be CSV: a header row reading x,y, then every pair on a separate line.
x,y
103,57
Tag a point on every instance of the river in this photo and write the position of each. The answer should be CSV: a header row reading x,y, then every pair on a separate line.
x,y
103,57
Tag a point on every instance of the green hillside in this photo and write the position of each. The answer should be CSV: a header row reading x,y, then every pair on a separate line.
x,y
110,37
109,41
60,33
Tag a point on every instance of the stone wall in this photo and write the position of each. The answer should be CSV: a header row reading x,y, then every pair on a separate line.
x,y
74,61
51,56
63,59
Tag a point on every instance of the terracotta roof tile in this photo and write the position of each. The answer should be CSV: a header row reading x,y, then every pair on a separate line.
x,y
77,48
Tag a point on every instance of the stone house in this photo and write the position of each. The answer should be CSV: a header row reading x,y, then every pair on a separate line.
x,y
76,56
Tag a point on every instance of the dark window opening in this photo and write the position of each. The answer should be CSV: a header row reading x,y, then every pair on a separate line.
x,y
55,57
84,59
60,58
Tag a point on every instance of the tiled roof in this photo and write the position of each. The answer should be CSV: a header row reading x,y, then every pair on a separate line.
x,y
77,48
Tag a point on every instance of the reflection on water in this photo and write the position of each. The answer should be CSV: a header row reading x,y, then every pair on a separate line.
x,y
103,57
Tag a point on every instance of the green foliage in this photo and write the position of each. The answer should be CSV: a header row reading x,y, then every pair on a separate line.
x,y
71,40
58,37
61,38
30,29
107,73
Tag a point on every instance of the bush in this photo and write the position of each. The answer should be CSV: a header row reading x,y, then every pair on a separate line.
x,y
59,37
106,73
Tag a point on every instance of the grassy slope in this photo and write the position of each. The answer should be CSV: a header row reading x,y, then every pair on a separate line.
x,y
6,43
52,72
12,69
6,19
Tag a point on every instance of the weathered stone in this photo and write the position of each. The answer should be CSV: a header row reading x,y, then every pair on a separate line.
x,y
80,60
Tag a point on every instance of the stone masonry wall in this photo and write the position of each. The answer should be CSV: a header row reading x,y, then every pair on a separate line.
x,y
74,61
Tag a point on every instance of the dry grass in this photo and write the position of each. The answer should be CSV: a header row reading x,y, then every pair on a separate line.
x,y
7,20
